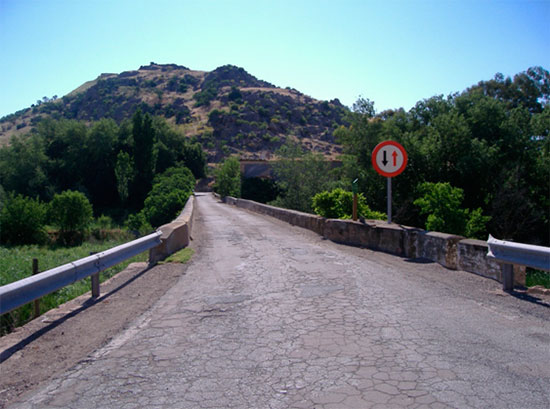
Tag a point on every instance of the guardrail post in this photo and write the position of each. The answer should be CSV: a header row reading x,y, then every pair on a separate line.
x,y
507,277
36,303
95,285
26,290
95,281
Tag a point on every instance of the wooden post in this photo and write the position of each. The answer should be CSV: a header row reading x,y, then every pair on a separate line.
x,y
36,303
354,190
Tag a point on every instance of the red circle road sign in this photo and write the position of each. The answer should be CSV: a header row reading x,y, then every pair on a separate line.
x,y
389,158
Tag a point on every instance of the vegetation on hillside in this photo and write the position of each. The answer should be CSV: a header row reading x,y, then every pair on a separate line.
x,y
228,110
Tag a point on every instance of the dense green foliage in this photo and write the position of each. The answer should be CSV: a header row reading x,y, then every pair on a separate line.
x,y
300,176
442,203
72,213
492,141
338,204
168,196
228,178
22,220
112,164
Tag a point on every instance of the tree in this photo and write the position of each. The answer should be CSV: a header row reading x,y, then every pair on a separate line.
x,y
22,220
299,176
101,158
144,156
72,213
124,175
228,178
24,167
66,147
194,158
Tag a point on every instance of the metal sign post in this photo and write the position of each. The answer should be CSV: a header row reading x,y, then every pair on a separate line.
x,y
389,159
354,190
389,200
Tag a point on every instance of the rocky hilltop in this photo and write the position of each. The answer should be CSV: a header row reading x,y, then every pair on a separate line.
x,y
227,110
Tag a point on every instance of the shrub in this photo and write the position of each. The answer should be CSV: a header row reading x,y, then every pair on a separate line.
x,y
175,178
138,224
101,227
228,178
338,204
441,202
162,207
204,97
476,226
72,213
22,220
168,196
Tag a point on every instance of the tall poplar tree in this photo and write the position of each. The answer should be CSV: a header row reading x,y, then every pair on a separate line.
x,y
143,134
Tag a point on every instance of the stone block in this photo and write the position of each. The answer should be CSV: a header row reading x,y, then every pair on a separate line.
x,y
472,257
175,235
440,247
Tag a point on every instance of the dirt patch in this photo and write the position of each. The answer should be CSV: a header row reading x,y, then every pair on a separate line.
x,y
62,337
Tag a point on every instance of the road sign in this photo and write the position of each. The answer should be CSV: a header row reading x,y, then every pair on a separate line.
x,y
389,158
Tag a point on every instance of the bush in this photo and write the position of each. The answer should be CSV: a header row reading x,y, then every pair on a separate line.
x,y
168,196
138,224
164,207
72,213
101,227
441,202
175,178
22,221
228,178
338,204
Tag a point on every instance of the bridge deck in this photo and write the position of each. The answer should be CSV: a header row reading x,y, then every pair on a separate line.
x,y
272,316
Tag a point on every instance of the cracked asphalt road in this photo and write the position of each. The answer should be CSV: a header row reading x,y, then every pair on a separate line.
x,y
272,316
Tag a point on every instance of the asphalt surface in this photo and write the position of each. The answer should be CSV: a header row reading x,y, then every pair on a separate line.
x,y
272,316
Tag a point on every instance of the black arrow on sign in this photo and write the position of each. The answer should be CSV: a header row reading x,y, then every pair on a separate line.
x,y
385,161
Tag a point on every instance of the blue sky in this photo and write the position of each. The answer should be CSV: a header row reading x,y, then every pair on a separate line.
x,y
392,52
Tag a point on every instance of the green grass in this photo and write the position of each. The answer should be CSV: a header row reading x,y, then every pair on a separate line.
x,y
182,256
537,277
16,264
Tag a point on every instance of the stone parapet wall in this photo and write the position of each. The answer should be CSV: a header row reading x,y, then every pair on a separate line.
x,y
175,235
449,250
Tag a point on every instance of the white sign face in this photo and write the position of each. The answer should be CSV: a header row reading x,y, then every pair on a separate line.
x,y
389,158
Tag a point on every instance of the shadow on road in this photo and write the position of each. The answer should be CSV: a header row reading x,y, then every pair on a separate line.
x,y
6,354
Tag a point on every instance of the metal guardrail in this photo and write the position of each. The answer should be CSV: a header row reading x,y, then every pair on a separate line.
x,y
510,253
21,292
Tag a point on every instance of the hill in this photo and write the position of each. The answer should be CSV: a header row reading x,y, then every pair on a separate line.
x,y
227,110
